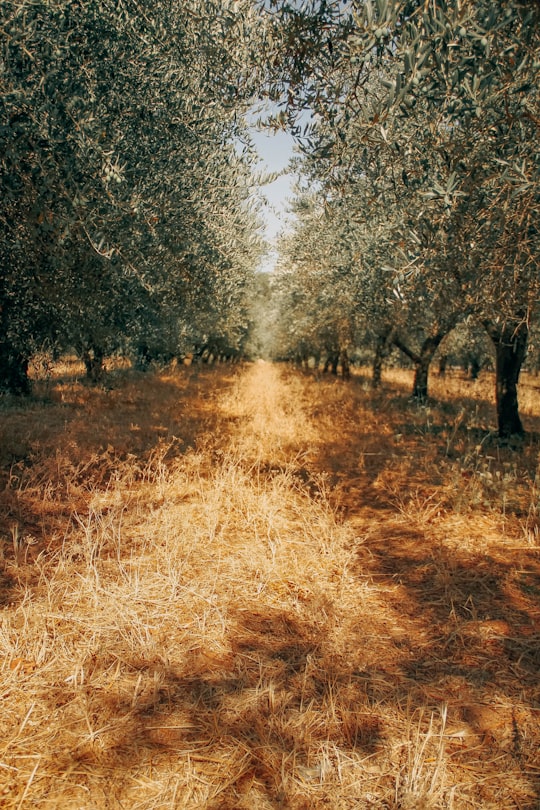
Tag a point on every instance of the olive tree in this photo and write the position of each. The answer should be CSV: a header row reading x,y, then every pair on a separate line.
x,y
123,186
441,100
316,299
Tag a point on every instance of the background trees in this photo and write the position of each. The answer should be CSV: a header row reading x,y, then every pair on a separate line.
x,y
426,115
313,285
126,193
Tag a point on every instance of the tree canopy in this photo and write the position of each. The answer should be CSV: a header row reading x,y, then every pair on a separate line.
x,y
423,138
129,215
127,204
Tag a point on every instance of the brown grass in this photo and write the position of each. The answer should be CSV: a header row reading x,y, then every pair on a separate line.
x,y
246,588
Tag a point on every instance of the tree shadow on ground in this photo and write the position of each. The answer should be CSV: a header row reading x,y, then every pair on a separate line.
x,y
55,456
472,643
257,723
377,452
254,723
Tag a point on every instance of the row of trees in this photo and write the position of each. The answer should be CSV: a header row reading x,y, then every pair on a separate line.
x,y
127,214
420,203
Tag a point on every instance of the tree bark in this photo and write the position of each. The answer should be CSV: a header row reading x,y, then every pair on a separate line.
x,y
331,362
13,370
422,362
345,365
510,343
143,357
93,361
383,347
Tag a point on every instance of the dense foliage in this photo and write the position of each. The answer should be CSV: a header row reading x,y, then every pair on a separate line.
x,y
126,213
423,146
127,217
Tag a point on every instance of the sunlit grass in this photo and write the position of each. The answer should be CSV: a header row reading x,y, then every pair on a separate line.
x,y
249,588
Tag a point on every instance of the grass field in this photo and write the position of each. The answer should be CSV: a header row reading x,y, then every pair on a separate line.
x,y
244,587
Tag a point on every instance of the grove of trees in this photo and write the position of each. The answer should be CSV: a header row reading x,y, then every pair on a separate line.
x,y
127,217
128,214
420,201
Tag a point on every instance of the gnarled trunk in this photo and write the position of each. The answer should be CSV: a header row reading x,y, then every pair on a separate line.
x,y
421,374
422,362
336,359
345,365
331,362
510,343
93,361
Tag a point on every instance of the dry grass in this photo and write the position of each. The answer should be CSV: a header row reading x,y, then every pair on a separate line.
x,y
245,588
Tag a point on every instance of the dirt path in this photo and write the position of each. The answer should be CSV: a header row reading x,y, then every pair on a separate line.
x,y
271,411
275,616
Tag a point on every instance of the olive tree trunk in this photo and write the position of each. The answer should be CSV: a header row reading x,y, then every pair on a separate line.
x,y
13,370
345,365
422,361
510,343
93,361
383,347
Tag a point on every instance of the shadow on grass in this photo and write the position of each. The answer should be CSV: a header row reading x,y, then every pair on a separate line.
x,y
378,450
259,724
260,720
262,717
56,455
472,643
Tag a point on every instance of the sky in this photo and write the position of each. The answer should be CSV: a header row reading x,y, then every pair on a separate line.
x,y
275,151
